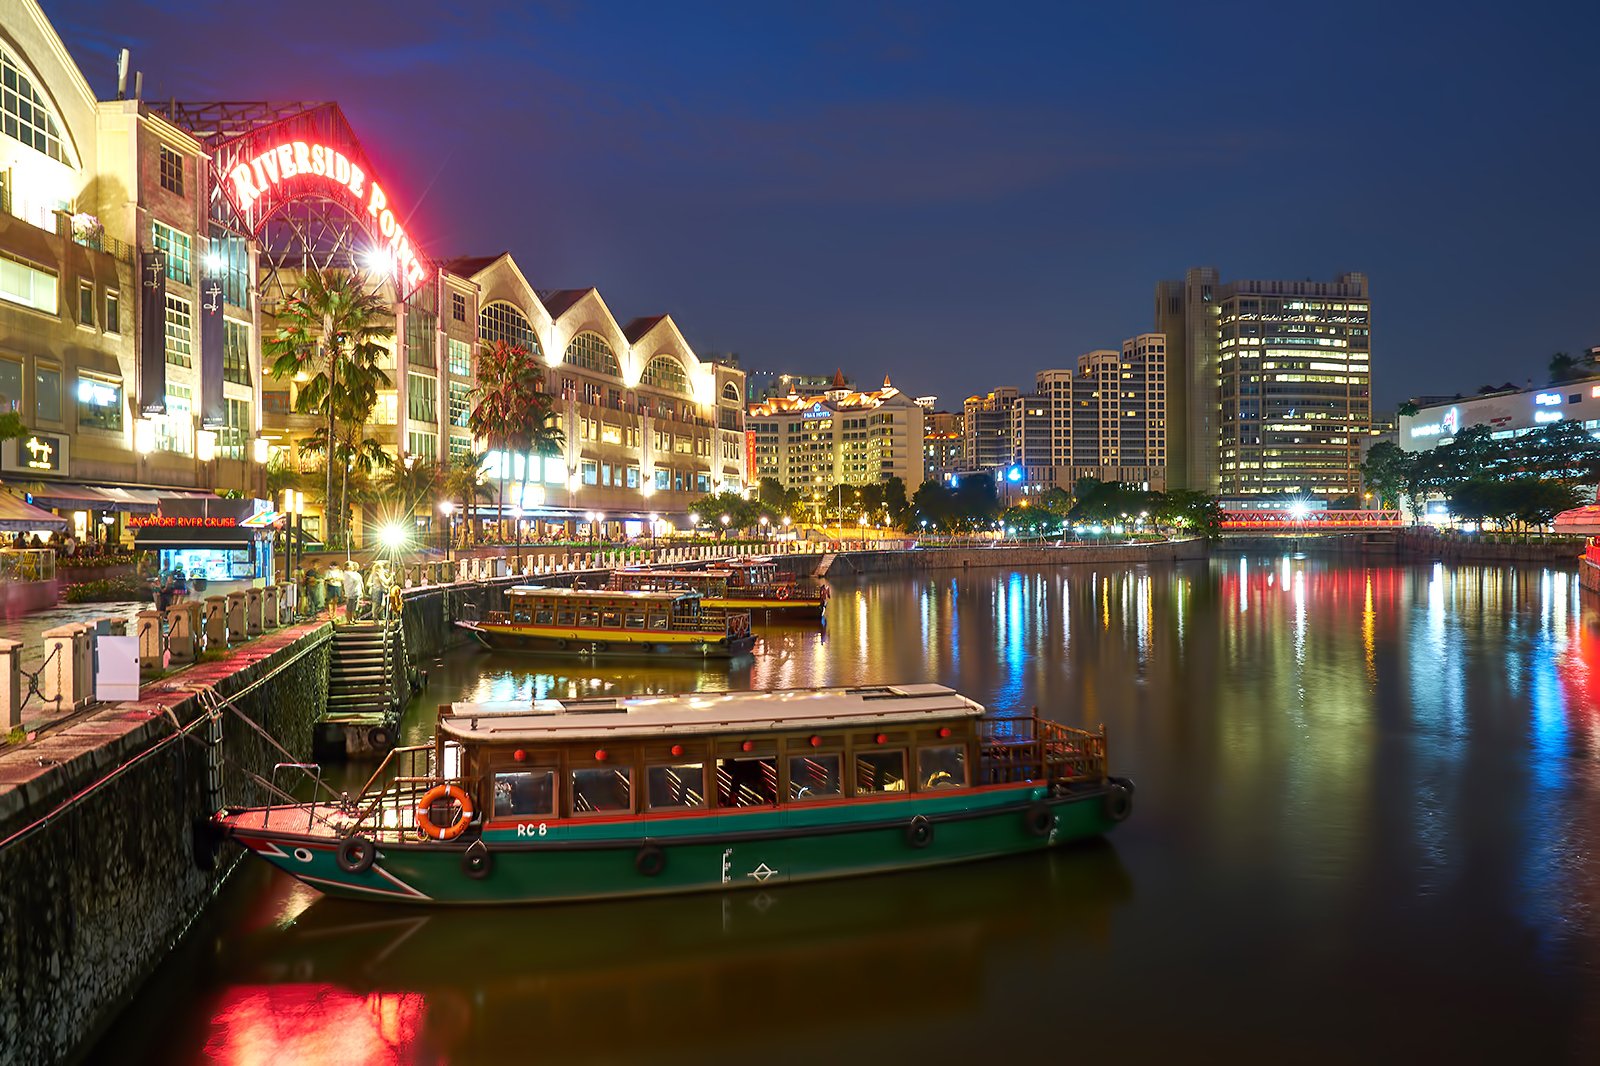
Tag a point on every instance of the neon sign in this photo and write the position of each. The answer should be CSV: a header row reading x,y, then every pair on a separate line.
x,y
40,454
817,411
336,171
1547,416
1449,425
156,521
1547,399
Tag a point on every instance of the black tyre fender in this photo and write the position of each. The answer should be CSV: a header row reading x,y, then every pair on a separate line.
x,y
919,832
1118,801
561,645
380,738
650,860
1039,819
355,854
476,862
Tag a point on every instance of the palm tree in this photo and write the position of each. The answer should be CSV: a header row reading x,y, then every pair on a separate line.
x,y
463,480
329,327
412,484
511,412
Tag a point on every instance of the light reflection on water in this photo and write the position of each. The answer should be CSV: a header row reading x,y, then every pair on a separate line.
x,y
1364,827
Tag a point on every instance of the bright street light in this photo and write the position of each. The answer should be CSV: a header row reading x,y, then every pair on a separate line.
x,y
392,536
447,507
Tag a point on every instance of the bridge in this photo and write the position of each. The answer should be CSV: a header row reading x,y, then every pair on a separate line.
x,y
1304,522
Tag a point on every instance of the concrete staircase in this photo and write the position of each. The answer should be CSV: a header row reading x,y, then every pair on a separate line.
x,y
366,688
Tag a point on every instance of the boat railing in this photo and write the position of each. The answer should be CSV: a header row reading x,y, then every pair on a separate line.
x,y
386,808
1030,748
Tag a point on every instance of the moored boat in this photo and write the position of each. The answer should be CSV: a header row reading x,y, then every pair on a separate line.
x,y
565,800
1584,522
751,586
609,622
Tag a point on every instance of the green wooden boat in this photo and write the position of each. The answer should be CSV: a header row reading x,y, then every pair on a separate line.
x,y
589,799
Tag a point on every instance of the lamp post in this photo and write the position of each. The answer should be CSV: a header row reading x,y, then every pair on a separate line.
x,y
725,520
448,509
516,516
765,521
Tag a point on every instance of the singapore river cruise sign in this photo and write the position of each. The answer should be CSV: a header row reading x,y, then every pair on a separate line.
x,y
296,167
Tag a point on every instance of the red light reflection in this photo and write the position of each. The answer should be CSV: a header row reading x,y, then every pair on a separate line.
x,y
257,1025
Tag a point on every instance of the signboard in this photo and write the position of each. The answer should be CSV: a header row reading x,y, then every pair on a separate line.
x,y
37,455
816,411
1447,426
213,409
153,333
297,167
749,455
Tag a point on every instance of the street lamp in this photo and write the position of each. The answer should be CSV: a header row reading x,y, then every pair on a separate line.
x,y
765,521
725,520
516,516
448,509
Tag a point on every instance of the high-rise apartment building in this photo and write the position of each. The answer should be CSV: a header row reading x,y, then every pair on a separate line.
x,y
1271,383
986,429
839,437
941,443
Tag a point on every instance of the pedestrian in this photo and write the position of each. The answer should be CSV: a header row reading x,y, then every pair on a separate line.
x,y
163,590
377,591
316,591
353,589
334,581
180,585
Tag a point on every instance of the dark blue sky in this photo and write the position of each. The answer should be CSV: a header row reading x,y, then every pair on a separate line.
x,y
957,194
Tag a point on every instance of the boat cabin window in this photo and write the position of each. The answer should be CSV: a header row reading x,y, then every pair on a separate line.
x,y
602,789
565,616
814,776
521,611
942,767
588,617
747,782
524,792
659,621
676,785
633,620
544,616
611,618
880,771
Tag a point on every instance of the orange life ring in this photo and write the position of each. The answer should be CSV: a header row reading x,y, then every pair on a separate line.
x,y
434,795
783,592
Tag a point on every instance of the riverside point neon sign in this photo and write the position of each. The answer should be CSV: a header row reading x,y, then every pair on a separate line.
x,y
1449,424
301,162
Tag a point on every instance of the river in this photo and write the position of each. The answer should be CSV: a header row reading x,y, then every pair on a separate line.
x,y
1365,828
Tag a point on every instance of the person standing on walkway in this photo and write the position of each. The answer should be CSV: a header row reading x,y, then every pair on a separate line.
x,y
353,588
316,594
335,584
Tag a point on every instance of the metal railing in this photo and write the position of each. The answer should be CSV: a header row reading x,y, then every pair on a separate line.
x,y
27,564
1030,748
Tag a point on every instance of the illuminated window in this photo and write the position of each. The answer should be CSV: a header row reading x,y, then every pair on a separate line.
x,y
589,350
171,170
27,118
174,432
460,403
27,285
180,332
501,322
422,445
459,354
177,247
236,431
460,447
665,372
99,402
422,398
235,352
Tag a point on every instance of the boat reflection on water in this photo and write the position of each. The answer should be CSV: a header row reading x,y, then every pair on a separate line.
x,y
353,982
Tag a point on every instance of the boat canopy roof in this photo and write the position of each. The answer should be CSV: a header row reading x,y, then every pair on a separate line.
x,y
1580,521
655,596
704,712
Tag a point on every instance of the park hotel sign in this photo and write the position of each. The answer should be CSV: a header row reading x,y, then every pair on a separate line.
x,y
298,166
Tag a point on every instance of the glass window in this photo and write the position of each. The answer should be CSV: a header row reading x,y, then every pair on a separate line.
x,y
177,247
459,354
814,775
174,432
113,313
633,620
460,402
180,331
422,397
235,352
658,621
942,767
47,394
602,789
99,402
591,472
588,617
566,616
665,372
747,782
522,793
500,321
663,479
27,117
421,336
10,385
589,350
460,447
275,401
458,307
85,304
422,445
611,618
544,616
880,771
678,785
27,285
171,170
232,436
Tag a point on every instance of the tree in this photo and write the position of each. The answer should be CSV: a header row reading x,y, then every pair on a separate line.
x,y
777,500
1565,368
511,412
896,508
463,479
1384,472
412,484
742,514
328,326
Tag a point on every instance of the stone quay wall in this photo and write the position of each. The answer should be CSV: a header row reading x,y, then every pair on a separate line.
x,y
104,858
846,564
1480,548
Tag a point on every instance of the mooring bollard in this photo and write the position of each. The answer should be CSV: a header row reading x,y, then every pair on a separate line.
x,y
288,602
11,684
216,623
253,622
236,617
62,679
149,633
181,634
269,607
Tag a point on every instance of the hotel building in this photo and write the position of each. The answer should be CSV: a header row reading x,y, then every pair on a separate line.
x,y
1270,383
941,444
839,437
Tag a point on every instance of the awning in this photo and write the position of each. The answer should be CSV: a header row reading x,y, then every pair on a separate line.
x,y
103,497
18,517
168,538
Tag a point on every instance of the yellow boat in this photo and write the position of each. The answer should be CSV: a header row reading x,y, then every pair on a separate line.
x,y
611,622
756,587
